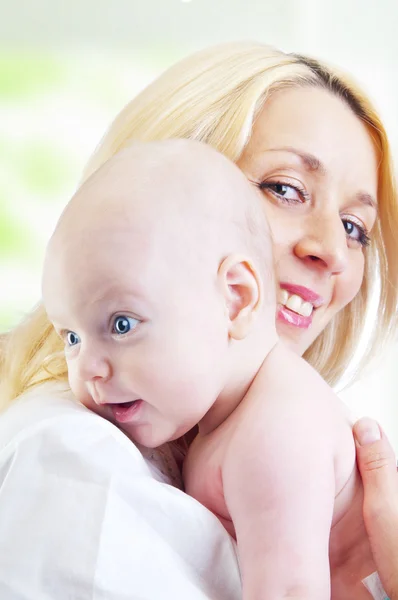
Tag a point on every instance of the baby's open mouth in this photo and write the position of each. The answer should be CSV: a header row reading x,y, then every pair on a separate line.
x,y
124,412
125,404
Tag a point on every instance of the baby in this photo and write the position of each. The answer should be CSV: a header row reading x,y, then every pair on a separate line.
x,y
159,279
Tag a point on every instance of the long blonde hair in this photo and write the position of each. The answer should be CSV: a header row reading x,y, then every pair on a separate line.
x,y
214,96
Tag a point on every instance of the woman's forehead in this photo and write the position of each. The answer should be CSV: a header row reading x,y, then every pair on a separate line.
x,y
320,129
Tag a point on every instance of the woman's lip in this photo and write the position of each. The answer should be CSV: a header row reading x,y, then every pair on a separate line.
x,y
123,413
291,318
305,293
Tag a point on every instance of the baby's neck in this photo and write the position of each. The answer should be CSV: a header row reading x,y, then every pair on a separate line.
x,y
244,373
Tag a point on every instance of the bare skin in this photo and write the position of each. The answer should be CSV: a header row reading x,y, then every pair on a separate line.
x,y
378,467
167,310
309,487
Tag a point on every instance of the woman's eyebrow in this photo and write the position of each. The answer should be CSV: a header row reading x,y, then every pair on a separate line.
x,y
313,164
310,162
367,200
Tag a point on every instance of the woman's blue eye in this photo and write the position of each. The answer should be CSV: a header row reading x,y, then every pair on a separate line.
x,y
123,325
349,227
356,232
72,338
286,192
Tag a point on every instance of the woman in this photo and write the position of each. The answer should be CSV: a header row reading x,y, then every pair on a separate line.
x,y
316,148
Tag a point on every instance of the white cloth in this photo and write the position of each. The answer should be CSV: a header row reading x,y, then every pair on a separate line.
x,y
375,587
84,517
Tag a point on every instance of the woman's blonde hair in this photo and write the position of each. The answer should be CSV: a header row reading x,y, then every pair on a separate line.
x,y
214,96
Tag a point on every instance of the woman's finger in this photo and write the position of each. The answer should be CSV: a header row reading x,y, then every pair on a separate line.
x,y
377,465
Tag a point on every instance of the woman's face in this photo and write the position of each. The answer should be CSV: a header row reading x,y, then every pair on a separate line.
x,y
316,167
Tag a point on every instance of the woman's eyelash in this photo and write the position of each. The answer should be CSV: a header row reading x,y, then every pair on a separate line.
x,y
269,185
363,238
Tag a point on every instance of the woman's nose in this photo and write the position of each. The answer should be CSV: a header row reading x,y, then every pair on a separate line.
x,y
324,245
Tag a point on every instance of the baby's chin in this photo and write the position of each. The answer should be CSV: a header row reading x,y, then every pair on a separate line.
x,y
146,437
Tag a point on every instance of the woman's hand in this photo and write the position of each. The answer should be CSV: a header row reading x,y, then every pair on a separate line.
x,y
377,465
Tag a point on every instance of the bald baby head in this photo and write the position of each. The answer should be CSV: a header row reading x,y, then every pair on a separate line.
x,y
168,189
153,275
154,214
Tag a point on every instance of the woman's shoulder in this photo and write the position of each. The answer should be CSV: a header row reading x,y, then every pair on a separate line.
x,y
43,407
79,497
48,421
49,416
36,408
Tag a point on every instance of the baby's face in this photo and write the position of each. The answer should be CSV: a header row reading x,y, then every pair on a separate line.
x,y
145,333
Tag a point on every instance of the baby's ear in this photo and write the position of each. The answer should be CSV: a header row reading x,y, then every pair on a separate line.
x,y
243,293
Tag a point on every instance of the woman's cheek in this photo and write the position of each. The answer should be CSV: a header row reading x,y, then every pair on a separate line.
x,y
351,281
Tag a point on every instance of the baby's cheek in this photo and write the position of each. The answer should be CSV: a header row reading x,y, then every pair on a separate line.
x,y
78,388
82,395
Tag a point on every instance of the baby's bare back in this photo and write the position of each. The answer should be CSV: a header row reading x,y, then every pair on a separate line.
x,y
288,396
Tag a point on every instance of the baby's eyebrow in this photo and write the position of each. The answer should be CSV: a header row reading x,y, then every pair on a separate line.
x,y
117,295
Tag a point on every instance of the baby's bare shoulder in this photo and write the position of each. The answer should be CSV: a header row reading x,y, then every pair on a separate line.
x,y
202,472
289,406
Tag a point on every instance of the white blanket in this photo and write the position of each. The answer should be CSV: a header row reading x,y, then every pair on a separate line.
x,y
83,516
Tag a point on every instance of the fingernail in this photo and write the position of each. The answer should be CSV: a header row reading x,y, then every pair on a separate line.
x,y
366,431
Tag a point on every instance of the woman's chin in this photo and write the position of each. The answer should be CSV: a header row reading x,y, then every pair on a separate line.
x,y
297,340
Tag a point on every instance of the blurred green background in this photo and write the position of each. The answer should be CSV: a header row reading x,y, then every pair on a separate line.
x,y
53,111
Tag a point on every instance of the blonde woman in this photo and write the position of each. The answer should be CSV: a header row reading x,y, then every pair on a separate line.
x,y
313,143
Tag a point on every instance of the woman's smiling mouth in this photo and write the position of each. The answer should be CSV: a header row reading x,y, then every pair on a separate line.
x,y
296,304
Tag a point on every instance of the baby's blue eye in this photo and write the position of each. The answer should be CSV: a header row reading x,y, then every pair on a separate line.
x,y
72,338
123,324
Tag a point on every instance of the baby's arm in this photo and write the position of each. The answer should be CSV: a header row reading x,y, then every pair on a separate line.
x,y
279,487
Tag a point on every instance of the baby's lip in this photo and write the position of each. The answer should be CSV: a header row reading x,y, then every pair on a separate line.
x,y
125,404
103,395
108,400
124,412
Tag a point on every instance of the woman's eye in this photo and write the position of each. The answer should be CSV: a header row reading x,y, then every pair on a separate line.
x,y
123,324
285,192
356,232
72,338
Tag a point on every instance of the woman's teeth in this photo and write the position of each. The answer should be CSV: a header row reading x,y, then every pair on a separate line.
x,y
295,303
